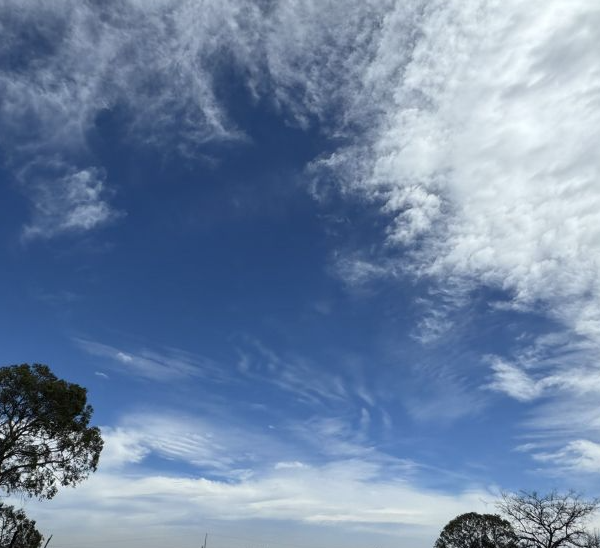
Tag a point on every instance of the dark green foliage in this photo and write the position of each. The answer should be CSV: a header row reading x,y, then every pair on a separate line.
x,y
16,531
474,530
45,437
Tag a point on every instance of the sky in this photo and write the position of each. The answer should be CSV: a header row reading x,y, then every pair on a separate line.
x,y
327,268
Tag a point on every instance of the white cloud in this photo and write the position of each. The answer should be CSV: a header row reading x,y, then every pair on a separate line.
x,y
301,377
485,149
576,456
159,61
514,381
168,364
471,136
125,358
355,492
289,464
555,364
473,125
335,494
482,151
208,446
483,146
153,60
74,202
227,446
122,447
316,53
356,271
151,57
502,140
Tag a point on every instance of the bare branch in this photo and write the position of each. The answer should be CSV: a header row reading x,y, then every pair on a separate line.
x,y
553,520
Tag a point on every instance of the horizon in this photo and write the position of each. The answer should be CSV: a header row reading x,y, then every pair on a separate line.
x,y
328,269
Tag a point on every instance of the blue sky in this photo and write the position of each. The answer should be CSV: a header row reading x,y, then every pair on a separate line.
x,y
329,270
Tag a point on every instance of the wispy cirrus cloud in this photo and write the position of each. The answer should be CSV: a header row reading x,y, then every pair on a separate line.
x,y
514,381
214,447
461,170
252,476
481,155
470,125
75,201
447,124
294,374
255,370
159,62
558,376
165,365
576,456
153,60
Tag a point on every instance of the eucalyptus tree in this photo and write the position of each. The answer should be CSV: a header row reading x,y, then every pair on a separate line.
x,y
16,530
46,440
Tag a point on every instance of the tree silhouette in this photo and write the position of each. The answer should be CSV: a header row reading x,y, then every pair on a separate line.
x,y
549,521
45,437
16,531
475,530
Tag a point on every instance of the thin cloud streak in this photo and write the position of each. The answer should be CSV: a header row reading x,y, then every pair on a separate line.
x,y
168,365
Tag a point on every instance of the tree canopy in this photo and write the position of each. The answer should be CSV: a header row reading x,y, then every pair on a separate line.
x,y
45,437
475,530
16,531
549,521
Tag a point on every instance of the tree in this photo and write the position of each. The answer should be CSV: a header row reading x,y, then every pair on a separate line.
x,y
45,437
16,531
474,530
592,540
549,521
